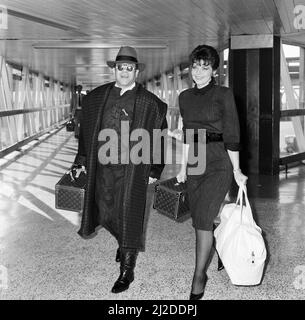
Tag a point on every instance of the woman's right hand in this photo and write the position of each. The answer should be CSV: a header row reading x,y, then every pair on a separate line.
x,y
181,176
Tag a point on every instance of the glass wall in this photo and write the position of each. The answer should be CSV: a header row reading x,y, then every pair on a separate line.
x,y
292,101
222,75
29,104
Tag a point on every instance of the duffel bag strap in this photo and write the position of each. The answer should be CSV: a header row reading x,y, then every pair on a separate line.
x,y
242,193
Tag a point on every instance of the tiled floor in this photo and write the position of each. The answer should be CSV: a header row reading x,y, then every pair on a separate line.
x,y
42,256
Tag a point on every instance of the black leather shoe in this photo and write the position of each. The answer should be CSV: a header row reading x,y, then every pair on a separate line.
x,y
128,263
220,265
123,282
118,255
198,296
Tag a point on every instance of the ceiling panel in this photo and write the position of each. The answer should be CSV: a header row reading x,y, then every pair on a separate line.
x,y
285,10
177,25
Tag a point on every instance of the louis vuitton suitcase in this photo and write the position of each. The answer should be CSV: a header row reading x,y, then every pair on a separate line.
x,y
171,199
70,190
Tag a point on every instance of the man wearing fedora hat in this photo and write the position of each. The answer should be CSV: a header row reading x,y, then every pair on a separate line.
x,y
116,193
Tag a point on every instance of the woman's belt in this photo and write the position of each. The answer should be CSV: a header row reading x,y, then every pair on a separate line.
x,y
210,137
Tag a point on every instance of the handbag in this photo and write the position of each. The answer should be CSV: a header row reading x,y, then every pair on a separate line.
x,y
171,199
239,242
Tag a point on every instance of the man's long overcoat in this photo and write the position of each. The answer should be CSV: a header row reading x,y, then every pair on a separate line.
x,y
149,113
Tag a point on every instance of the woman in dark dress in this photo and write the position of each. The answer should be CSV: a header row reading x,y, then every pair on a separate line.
x,y
210,107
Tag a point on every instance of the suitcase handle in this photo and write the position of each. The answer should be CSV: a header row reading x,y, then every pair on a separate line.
x,y
178,183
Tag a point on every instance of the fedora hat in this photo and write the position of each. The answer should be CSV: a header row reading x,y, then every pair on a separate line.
x,y
128,55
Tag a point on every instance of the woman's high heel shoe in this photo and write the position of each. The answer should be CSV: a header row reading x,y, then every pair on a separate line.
x,y
198,296
220,265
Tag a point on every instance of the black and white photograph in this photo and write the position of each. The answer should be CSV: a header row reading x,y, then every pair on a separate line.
x,y
152,153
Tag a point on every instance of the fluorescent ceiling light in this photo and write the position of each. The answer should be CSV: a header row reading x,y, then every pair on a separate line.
x,y
72,45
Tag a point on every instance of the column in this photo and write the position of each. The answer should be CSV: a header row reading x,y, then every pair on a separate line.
x,y
254,76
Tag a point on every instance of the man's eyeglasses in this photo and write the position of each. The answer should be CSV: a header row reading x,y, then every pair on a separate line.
x,y
125,66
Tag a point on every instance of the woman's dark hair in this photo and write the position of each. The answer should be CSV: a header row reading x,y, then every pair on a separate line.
x,y
206,53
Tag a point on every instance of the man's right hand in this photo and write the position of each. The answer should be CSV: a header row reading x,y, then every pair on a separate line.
x,y
78,169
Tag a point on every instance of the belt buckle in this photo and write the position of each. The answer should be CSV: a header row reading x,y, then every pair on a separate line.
x,y
212,137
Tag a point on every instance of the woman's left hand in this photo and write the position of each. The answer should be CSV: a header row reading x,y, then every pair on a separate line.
x,y
240,178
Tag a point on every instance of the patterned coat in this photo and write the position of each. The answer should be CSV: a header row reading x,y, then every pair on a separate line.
x,y
149,113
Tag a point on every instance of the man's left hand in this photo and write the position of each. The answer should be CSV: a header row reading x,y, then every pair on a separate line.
x,y
152,180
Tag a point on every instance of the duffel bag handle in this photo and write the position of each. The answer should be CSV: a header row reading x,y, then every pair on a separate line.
x,y
242,192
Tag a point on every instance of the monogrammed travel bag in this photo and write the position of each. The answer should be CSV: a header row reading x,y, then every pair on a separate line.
x,y
70,190
170,198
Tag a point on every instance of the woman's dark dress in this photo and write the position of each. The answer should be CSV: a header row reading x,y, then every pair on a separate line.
x,y
211,108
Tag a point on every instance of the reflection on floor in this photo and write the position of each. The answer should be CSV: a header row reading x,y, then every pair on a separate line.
x,y
42,256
